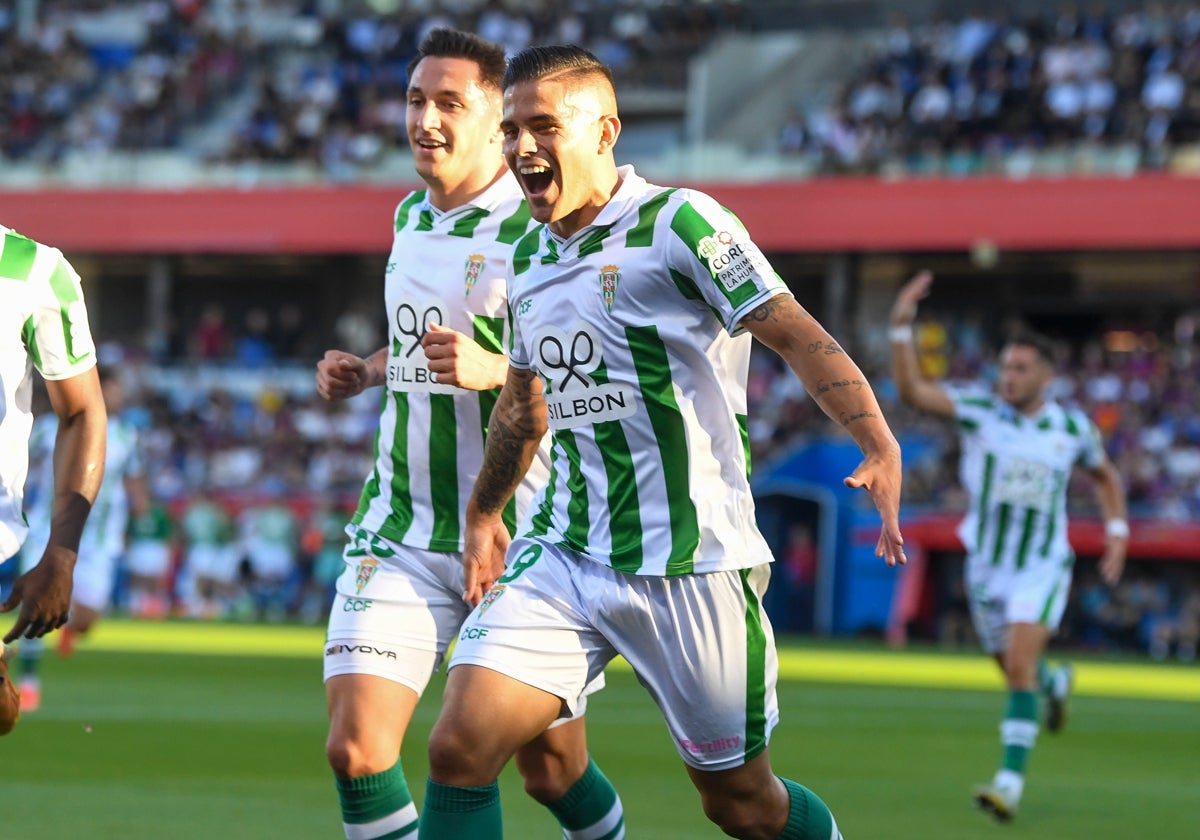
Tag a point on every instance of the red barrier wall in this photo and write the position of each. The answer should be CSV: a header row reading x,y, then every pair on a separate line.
x,y
822,215
1149,539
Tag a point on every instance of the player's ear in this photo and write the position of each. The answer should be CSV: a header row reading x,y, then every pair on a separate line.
x,y
610,128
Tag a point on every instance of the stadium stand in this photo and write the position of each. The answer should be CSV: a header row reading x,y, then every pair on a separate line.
x,y
292,91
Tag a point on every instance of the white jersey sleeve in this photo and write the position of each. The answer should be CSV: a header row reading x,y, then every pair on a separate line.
x,y
712,252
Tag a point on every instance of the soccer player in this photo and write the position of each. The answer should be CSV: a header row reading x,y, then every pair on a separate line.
x,y
1018,450
400,603
633,307
44,324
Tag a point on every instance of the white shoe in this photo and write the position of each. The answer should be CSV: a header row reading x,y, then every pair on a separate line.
x,y
997,801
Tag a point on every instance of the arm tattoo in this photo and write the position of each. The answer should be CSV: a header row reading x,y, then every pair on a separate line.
x,y
503,458
765,311
847,417
516,425
831,348
824,386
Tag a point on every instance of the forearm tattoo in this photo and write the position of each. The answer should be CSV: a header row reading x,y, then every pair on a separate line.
x,y
848,417
517,423
504,463
825,348
824,387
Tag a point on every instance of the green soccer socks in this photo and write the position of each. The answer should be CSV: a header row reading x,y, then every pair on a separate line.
x,y
378,807
591,809
461,813
808,817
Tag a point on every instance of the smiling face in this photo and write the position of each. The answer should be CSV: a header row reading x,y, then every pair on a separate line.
x,y
453,129
559,133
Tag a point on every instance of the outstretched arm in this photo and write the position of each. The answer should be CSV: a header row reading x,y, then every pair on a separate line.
x,y
914,388
44,592
515,431
842,391
1110,491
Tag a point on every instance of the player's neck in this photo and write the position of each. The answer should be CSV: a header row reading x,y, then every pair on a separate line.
x,y
573,222
1029,408
447,197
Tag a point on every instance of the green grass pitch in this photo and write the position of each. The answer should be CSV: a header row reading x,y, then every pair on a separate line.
x,y
185,731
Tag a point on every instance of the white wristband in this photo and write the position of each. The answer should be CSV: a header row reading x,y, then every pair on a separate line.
x,y
1117,528
900,334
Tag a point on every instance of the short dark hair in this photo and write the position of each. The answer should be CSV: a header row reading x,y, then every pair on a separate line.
x,y
538,62
454,43
1042,345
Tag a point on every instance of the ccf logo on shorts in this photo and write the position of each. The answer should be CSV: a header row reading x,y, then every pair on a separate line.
x,y
366,570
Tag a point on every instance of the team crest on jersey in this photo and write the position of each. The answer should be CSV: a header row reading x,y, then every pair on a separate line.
x,y
491,597
475,264
366,570
610,277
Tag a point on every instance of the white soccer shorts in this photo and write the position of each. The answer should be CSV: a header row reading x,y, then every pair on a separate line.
x,y
396,611
1001,595
701,644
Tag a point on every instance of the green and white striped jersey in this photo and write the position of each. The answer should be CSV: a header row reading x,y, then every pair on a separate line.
x,y
1016,469
108,519
43,324
633,326
446,268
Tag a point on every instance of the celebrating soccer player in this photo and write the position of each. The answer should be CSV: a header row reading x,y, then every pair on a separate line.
x,y
633,307
1018,450
399,602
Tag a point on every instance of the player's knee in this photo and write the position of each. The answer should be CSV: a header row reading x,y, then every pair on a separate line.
x,y
353,759
735,817
454,759
544,780
746,806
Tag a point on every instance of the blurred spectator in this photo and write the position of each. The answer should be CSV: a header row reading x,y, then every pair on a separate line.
x,y
210,339
269,534
208,577
149,554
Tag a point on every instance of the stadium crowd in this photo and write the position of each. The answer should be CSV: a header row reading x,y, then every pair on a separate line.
x,y
323,82
286,80
957,95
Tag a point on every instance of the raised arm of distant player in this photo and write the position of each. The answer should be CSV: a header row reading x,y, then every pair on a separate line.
x,y
44,592
459,360
515,430
842,391
1110,491
914,388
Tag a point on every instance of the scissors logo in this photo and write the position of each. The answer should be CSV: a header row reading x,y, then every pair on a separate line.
x,y
409,324
555,356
